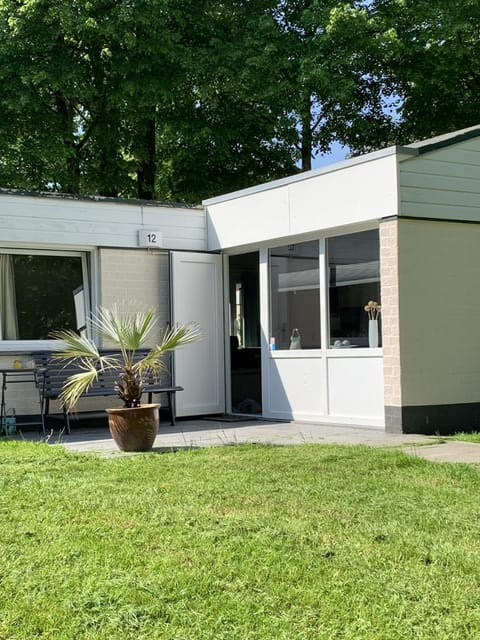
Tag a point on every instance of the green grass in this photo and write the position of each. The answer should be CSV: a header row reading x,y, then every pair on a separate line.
x,y
245,542
467,437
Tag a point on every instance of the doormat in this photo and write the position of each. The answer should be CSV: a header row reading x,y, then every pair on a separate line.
x,y
229,418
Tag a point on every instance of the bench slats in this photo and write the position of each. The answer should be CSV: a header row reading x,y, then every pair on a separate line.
x,y
52,375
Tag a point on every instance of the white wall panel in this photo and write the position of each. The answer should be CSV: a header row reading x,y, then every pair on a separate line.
x,y
61,221
352,194
355,388
294,389
250,219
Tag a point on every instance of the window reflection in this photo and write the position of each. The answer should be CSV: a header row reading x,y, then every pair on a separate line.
x,y
37,294
295,296
354,281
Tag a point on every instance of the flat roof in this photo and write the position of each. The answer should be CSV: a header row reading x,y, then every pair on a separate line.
x,y
89,198
415,148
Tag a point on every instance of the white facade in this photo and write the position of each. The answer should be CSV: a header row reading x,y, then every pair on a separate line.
x,y
422,200
345,194
60,221
105,233
323,384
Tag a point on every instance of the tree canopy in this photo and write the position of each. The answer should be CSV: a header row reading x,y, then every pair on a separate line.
x,y
182,99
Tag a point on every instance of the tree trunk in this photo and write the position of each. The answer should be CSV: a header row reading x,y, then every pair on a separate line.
x,y
147,162
71,182
307,138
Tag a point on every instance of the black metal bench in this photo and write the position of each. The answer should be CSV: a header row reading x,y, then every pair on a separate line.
x,y
52,375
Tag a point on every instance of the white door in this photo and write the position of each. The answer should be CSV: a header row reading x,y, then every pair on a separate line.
x,y
199,367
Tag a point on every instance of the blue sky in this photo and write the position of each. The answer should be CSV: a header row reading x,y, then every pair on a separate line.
x,y
337,154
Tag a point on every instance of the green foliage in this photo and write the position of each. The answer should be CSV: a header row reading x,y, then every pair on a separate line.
x,y
128,332
130,99
277,543
416,69
181,99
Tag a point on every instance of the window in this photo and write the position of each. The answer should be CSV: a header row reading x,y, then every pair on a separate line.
x,y
37,294
295,296
354,280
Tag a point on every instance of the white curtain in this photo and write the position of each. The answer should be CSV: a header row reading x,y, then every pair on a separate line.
x,y
8,307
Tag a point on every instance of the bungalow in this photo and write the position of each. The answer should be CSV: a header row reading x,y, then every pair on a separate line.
x,y
285,279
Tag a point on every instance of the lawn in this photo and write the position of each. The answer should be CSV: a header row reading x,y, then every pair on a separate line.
x,y
243,542
467,437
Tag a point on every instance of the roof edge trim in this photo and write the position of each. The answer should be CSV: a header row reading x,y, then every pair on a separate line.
x,y
92,198
314,173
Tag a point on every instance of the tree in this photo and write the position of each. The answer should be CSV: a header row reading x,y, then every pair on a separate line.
x,y
416,67
74,83
437,64
55,82
321,93
184,99
223,133
138,97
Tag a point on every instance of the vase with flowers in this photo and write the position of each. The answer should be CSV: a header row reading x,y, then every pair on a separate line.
x,y
373,310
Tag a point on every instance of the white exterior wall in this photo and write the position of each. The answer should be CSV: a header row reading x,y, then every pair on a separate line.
x,y
121,272
325,386
442,184
322,385
67,222
347,194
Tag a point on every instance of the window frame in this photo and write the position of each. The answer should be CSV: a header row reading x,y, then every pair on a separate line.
x,y
26,346
286,352
329,339
325,350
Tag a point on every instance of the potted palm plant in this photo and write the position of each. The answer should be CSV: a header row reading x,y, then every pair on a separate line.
x,y
133,426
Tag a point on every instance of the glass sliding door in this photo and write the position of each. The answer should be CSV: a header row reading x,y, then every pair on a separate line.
x,y
244,321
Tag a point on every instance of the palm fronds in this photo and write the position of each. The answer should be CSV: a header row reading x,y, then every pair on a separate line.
x,y
128,332
78,383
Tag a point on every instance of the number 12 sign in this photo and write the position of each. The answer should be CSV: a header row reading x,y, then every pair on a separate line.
x,y
147,238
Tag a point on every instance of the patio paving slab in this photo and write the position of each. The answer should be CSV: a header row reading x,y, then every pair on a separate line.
x,y
451,451
208,433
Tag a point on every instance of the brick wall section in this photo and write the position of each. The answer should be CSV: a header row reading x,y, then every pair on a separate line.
x,y
135,278
390,317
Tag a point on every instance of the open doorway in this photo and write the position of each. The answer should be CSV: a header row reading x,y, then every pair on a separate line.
x,y
245,352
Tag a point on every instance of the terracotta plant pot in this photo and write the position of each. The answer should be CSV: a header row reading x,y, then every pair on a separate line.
x,y
134,429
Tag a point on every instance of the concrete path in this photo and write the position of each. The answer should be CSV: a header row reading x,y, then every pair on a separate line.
x,y
451,451
208,433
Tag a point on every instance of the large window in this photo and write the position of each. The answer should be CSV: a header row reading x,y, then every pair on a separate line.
x,y
295,296
37,294
354,281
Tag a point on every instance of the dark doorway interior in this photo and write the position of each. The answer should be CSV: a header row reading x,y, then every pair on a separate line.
x,y
245,356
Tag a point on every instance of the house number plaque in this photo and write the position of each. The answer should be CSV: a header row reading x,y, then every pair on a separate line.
x,y
149,238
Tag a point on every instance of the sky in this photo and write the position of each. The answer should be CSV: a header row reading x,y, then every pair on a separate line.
x,y
337,154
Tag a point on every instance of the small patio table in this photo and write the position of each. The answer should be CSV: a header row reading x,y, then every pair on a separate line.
x,y
15,376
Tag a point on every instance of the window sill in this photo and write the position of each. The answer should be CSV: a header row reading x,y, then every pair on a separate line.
x,y
26,346
296,354
359,352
